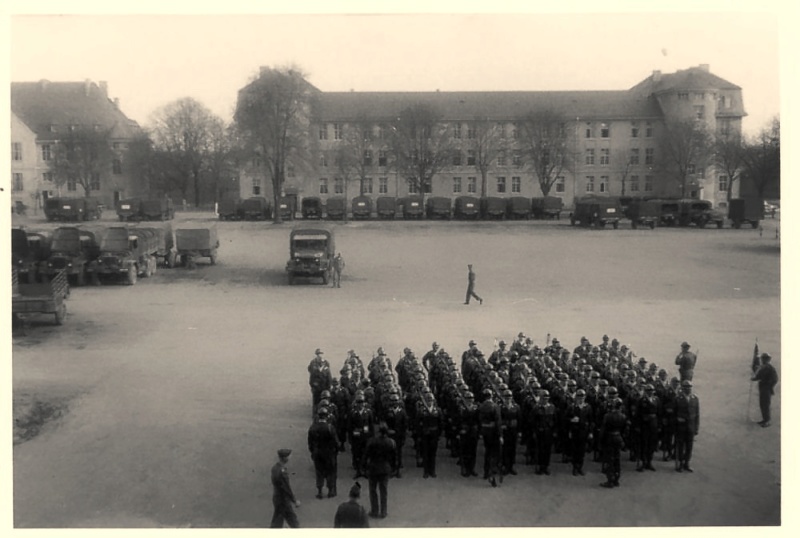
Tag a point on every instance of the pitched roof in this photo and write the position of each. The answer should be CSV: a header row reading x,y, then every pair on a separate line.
x,y
42,104
509,106
693,78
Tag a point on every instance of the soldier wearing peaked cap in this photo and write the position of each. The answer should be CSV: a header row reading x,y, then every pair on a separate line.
x,y
283,499
686,361
767,378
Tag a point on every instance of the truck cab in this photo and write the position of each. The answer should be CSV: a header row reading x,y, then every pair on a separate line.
x,y
311,252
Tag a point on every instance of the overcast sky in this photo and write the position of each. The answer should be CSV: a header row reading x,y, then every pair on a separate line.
x,y
151,60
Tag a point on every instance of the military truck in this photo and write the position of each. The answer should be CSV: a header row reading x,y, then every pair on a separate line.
x,y
287,205
493,207
193,243
229,208
467,207
125,253
165,244
519,207
413,208
129,209
362,207
596,212
746,210
386,207
547,207
71,250
76,209
438,207
311,253
28,250
336,208
669,211
644,213
311,207
699,213
44,298
255,208
157,209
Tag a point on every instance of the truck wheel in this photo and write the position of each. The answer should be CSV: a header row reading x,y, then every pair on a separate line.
x,y
61,314
652,225
131,276
616,225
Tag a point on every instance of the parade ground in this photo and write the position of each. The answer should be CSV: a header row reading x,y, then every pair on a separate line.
x,y
163,404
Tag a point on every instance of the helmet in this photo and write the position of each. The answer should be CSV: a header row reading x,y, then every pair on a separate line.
x,y
580,392
649,388
507,393
325,394
487,392
322,411
686,383
435,345
468,395
501,343
572,383
394,397
612,391
594,374
544,394
603,382
502,387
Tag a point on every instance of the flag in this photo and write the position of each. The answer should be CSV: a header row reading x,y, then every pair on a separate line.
x,y
756,360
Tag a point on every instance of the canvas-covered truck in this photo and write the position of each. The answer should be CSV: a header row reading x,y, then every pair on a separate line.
x,y
165,244
700,213
229,208
157,209
669,212
438,207
287,205
194,243
413,208
40,298
746,210
28,250
129,209
311,253
71,250
597,212
255,208
362,207
336,208
547,207
644,213
311,207
77,209
467,207
386,207
125,253
493,207
519,207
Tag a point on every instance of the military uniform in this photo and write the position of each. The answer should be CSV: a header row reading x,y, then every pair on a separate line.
x,y
544,424
648,414
687,418
319,377
469,431
323,445
510,414
767,378
379,460
686,361
360,428
490,419
580,424
283,499
396,420
612,432
429,425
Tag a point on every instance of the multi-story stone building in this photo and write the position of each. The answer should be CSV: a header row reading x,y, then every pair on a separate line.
x,y
614,136
41,113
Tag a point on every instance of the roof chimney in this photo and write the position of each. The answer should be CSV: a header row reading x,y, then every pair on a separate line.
x,y
87,85
704,67
656,75
263,70
104,88
116,102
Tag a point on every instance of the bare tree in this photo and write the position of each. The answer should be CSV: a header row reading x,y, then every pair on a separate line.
x,y
420,145
546,143
684,146
623,161
184,130
82,157
484,137
727,153
761,158
272,118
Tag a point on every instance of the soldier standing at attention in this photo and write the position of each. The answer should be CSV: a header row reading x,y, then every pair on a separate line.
x,y
612,432
767,378
338,267
323,443
686,361
471,286
687,418
283,498
380,459
319,377
491,423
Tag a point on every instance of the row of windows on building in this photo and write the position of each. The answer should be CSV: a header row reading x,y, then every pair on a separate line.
x,y
591,130
47,155
18,182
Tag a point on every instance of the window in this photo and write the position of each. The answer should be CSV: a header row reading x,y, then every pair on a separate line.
x,y
46,153
605,130
472,185
699,96
366,185
472,133
367,157
589,132
516,184
16,182
648,130
290,170
381,132
648,183
16,151
457,130
683,96
603,183
256,186
47,176
94,183
726,101
634,184
724,126
427,187
116,166
605,156
634,156
72,185
501,184
561,185
382,157
502,159
634,130
589,183
323,185
470,157
699,111
338,185
383,185
722,180
323,132
456,158
366,134
690,169
413,188
337,131
649,155
323,160
590,156
516,158
456,185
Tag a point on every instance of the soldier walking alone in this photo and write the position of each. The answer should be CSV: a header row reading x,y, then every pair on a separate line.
x,y
471,286
283,499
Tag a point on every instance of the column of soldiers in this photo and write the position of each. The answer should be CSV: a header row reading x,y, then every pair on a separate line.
x,y
599,400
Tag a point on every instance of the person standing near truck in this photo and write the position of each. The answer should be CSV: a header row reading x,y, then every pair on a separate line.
x,y
338,267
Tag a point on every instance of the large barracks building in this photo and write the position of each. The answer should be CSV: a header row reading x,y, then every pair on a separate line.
x,y
616,136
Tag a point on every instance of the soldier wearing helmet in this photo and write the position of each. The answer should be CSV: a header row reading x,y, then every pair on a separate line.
x,y
429,424
648,414
501,351
361,421
430,357
468,433
510,415
544,424
489,415
612,433
687,418
396,420
686,361
323,444
579,418
669,419
319,378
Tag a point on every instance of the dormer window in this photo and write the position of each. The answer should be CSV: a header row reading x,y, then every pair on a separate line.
x,y
53,128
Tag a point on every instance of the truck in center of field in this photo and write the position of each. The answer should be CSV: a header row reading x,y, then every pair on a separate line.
x,y
311,252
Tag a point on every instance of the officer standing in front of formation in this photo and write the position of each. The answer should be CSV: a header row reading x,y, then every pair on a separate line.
x,y
283,499
580,426
471,286
350,514
686,361
323,443
379,458
319,378
687,419
767,378
491,430
612,433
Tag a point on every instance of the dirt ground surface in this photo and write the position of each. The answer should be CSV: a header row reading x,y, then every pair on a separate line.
x,y
163,404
